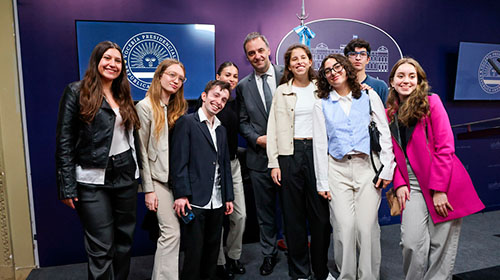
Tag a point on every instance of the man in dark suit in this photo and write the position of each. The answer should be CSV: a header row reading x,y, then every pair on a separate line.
x,y
254,95
202,182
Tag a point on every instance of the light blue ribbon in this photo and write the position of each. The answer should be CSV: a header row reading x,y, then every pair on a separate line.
x,y
305,34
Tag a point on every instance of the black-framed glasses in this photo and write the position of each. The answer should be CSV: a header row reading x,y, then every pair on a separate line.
x,y
355,54
337,67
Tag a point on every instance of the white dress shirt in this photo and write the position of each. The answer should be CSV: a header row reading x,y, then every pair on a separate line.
x,y
271,81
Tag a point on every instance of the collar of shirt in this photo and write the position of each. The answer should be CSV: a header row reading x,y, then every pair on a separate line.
x,y
204,118
269,72
334,96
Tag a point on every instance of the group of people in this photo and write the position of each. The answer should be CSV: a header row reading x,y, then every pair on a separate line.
x,y
308,144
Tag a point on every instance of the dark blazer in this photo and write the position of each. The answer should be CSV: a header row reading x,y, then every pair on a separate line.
x,y
192,161
253,118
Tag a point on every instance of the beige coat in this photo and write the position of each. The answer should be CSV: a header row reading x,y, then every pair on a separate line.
x,y
154,154
280,125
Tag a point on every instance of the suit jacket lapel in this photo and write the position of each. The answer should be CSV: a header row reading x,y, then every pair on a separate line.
x,y
204,129
393,126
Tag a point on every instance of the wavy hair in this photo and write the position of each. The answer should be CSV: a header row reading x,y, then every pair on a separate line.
x,y
287,74
177,105
417,105
324,87
92,93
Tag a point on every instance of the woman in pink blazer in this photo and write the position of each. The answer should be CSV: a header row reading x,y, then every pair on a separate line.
x,y
432,186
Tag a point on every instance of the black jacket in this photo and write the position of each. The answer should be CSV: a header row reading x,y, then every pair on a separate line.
x,y
192,161
78,142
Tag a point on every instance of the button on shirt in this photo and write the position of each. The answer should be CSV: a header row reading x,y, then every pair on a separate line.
x,y
216,199
271,81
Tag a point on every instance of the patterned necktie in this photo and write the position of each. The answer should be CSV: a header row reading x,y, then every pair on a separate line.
x,y
268,96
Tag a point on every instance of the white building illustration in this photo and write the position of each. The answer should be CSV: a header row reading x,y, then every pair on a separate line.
x,y
379,59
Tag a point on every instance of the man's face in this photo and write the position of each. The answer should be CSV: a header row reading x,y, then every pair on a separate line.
x,y
359,58
214,101
258,54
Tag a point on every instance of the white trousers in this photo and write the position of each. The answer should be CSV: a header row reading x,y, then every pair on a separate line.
x,y
237,219
166,263
429,249
354,217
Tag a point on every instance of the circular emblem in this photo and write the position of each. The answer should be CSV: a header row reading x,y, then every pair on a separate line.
x,y
142,53
489,78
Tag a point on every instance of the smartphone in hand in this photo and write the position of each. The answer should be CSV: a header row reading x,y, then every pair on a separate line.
x,y
189,215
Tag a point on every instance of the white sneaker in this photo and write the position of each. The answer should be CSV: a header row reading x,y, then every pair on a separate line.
x,y
330,277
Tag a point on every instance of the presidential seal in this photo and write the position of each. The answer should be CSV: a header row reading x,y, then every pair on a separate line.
x,y
142,53
489,78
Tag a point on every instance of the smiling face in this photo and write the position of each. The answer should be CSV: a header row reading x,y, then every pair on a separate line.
x,y
214,101
110,65
258,53
172,79
359,59
230,75
405,80
299,62
337,76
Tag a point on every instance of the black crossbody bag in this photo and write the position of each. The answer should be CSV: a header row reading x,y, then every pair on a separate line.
x,y
374,142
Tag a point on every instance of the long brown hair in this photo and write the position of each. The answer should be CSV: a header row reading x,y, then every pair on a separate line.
x,y
324,87
176,106
287,74
417,104
92,94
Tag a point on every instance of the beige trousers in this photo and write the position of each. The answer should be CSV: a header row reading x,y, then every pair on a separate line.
x,y
237,219
429,249
354,217
166,263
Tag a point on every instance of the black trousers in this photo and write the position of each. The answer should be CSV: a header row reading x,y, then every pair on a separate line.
x,y
302,206
108,215
201,239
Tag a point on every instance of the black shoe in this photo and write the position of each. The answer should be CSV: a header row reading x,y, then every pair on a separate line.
x,y
268,265
235,266
224,273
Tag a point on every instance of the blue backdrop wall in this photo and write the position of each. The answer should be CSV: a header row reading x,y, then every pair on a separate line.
x,y
427,30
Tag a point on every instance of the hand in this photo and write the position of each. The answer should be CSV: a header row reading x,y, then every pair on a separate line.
x,y
403,195
326,195
69,201
365,87
383,182
262,141
276,175
441,203
180,204
151,201
229,208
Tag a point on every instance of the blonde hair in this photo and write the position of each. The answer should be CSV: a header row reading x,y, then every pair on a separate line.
x,y
417,104
177,105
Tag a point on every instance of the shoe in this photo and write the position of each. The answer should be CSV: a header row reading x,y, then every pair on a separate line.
x,y
223,273
268,265
235,266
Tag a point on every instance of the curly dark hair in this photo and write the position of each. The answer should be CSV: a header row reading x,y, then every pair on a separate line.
x,y
417,105
324,87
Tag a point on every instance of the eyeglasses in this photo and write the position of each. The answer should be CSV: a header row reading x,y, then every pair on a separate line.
x,y
337,67
174,76
355,54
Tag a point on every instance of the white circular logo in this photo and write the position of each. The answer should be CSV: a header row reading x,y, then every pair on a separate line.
x,y
142,53
489,78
